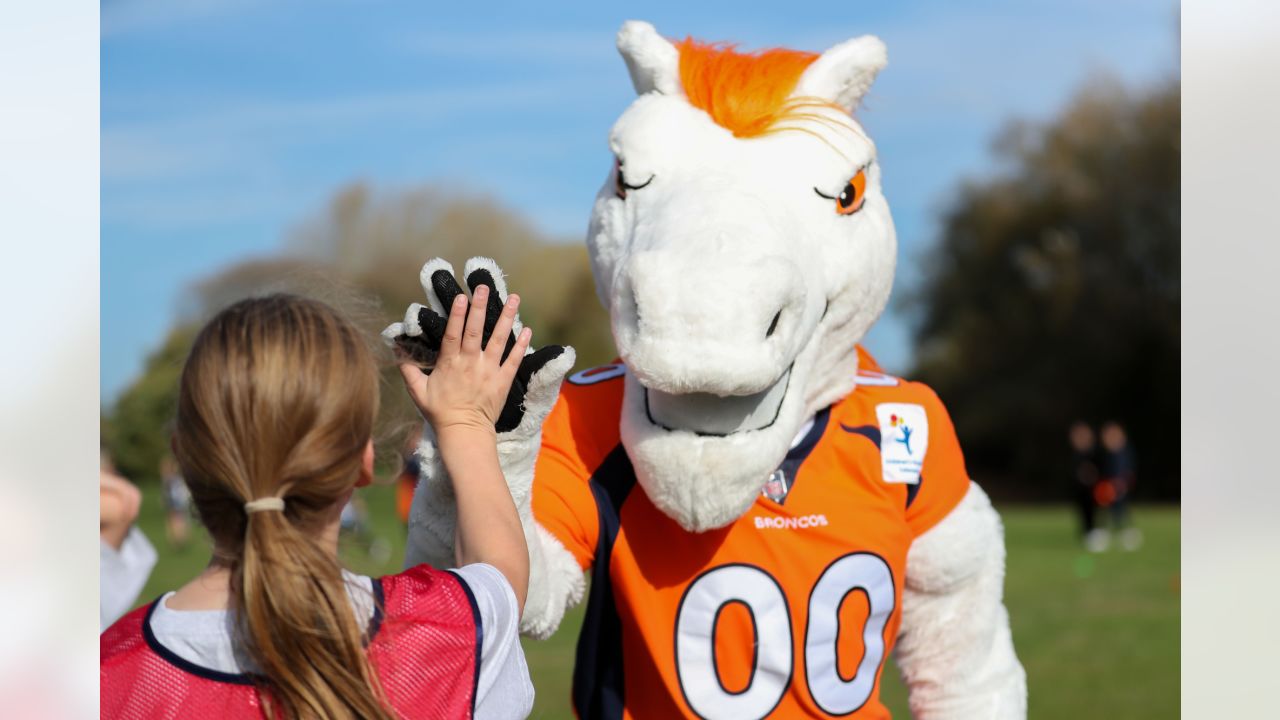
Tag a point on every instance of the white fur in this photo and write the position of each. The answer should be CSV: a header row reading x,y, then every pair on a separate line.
x,y
556,583
499,282
433,514
694,267
392,331
484,263
844,73
954,649
653,62
411,325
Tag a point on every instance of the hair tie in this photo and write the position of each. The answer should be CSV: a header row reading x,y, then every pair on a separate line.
x,y
263,505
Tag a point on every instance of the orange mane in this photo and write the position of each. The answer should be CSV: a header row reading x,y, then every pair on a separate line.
x,y
746,93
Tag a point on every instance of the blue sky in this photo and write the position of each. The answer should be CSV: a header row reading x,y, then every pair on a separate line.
x,y
225,123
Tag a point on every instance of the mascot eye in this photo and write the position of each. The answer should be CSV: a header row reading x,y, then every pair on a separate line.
x,y
850,199
621,187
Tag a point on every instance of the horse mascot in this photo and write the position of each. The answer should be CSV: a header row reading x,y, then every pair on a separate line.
x,y
763,514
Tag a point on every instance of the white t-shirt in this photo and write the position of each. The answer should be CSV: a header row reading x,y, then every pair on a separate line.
x,y
122,575
503,690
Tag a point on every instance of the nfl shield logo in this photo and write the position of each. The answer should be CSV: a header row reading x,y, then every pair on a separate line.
x,y
776,487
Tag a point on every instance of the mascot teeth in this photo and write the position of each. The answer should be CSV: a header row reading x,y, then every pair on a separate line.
x,y
708,414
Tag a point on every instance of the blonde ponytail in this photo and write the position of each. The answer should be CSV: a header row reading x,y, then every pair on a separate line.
x,y
277,400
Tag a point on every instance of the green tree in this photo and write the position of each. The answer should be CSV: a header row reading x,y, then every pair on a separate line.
x,y
378,241
361,254
1053,293
136,434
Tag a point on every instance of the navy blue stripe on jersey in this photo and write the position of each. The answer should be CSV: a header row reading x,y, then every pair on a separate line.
x,y
797,455
475,613
379,607
914,489
597,672
872,433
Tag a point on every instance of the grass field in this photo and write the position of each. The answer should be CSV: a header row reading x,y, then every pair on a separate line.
x,y
1098,634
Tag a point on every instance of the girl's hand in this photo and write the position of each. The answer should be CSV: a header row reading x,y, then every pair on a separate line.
x,y
469,384
120,501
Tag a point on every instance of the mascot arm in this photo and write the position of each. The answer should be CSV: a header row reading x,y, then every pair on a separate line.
x,y
955,650
567,523
433,516
556,581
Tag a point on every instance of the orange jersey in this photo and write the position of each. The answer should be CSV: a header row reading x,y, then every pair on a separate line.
x,y
789,611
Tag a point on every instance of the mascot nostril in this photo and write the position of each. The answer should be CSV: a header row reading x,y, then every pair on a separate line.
x,y
778,473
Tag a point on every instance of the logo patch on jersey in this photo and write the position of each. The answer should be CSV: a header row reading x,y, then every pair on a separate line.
x,y
904,438
777,487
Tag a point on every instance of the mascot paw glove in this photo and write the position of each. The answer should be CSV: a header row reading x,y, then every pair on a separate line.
x,y
537,382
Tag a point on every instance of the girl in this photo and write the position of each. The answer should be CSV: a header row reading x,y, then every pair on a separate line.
x,y
275,411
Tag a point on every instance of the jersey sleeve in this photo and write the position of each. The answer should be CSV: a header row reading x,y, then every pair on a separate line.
x,y
578,434
943,477
503,688
123,575
563,503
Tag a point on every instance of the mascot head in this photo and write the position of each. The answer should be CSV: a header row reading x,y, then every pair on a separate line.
x,y
742,246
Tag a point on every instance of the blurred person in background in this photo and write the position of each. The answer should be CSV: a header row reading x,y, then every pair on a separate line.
x,y
354,518
1084,476
354,524
177,503
1118,474
407,480
126,556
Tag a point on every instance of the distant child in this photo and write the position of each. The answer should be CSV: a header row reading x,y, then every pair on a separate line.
x,y
275,412
1118,474
177,502
1084,467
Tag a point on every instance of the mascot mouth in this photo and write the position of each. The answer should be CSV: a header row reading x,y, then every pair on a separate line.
x,y
714,415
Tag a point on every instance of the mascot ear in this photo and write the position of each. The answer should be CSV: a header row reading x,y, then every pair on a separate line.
x,y
653,61
844,73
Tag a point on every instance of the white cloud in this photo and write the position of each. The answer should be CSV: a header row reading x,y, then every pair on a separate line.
x,y
128,16
518,45
228,136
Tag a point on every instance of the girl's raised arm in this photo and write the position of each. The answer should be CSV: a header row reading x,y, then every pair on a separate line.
x,y
461,399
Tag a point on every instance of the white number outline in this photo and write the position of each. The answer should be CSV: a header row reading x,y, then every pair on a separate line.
x,y
755,664
872,606
872,612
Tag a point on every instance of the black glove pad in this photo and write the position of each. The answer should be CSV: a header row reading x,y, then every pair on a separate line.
x,y
493,310
445,287
425,348
513,410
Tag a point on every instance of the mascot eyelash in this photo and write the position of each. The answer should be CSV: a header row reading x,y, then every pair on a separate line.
x,y
621,186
